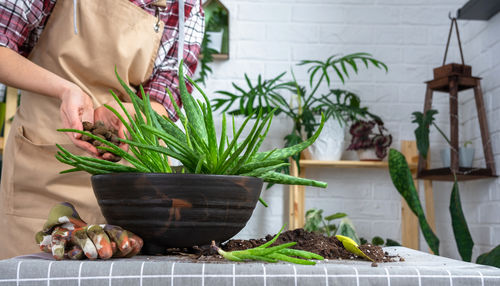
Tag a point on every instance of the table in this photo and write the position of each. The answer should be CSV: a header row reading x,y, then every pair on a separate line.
x,y
419,268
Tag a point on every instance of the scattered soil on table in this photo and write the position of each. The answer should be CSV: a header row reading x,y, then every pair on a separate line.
x,y
100,130
328,247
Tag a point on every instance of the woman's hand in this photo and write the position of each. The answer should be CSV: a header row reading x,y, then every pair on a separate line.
x,y
111,121
76,107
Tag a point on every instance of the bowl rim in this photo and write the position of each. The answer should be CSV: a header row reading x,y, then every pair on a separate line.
x,y
194,176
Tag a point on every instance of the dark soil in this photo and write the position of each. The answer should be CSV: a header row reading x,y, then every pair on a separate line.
x,y
100,130
328,247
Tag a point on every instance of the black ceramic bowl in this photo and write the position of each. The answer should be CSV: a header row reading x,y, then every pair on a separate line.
x,y
177,210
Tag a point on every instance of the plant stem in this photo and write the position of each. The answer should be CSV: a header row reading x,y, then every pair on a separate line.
x,y
306,101
326,228
442,133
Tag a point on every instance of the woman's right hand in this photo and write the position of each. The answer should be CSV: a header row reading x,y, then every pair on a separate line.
x,y
76,107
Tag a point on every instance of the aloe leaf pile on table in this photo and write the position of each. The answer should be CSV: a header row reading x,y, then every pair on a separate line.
x,y
153,138
264,252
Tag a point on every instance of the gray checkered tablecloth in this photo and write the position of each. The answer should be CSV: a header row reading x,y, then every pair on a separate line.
x,y
418,269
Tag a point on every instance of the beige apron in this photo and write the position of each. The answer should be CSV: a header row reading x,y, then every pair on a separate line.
x,y
109,33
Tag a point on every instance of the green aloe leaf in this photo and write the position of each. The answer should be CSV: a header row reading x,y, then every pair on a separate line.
x,y
191,108
460,228
287,152
403,181
335,216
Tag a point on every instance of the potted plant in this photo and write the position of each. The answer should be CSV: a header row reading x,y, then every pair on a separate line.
x,y
210,197
403,181
370,140
465,154
339,106
216,30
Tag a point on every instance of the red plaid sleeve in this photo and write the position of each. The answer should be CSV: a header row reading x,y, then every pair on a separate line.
x,y
165,70
21,23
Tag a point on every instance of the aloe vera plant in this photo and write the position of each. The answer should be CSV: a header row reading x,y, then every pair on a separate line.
x,y
152,138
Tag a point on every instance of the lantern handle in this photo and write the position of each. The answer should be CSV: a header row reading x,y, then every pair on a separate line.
x,y
449,15
453,21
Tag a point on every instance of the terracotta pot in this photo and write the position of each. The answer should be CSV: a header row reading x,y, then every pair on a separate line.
x,y
177,210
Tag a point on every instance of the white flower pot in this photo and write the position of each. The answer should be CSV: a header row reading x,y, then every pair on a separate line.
x,y
330,143
465,157
368,155
215,40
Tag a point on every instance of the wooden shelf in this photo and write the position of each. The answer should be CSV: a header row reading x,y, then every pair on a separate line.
x,y
220,56
349,164
463,174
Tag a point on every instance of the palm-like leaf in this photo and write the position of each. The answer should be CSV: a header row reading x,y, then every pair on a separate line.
x,y
338,63
265,95
422,131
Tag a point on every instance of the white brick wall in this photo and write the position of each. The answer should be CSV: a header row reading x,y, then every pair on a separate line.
x,y
269,37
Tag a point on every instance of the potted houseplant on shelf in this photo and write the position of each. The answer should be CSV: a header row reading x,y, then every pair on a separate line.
x,y
214,40
403,181
338,105
370,140
465,154
210,197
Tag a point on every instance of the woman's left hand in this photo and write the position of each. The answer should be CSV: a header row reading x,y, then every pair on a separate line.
x,y
110,120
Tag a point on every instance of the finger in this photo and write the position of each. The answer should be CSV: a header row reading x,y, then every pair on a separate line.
x,y
63,215
88,115
114,248
89,148
81,239
44,241
71,119
75,252
60,237
135,242
119,236
110,157
75,139
100,240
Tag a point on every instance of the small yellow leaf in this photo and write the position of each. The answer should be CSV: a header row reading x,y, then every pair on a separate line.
x,y
352,246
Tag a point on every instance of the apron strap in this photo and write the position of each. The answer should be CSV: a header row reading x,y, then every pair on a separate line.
x,y
159,3
74,17
180,40
180,43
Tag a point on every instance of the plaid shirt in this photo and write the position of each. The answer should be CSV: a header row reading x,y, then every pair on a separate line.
x,y
22,22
